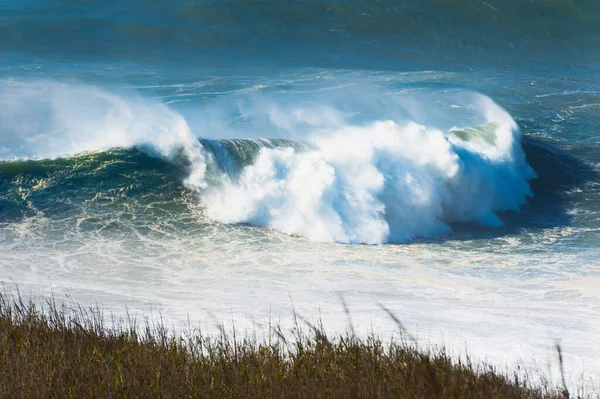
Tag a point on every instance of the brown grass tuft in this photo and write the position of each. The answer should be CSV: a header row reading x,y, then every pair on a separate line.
x,y
69,352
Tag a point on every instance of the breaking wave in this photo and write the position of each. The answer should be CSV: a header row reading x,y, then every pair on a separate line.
x,y
330,172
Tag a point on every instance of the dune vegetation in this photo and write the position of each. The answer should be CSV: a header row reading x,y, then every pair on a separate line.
x,y
69,351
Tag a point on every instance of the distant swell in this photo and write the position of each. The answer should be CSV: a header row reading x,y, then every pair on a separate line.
x,y
375,30
345,177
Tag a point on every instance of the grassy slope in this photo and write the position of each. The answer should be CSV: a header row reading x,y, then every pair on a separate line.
x,y
70,353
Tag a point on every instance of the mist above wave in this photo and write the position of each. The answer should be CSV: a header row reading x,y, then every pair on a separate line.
x,y
47,119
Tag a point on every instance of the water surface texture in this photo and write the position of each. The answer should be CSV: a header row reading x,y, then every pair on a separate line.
x,y
221,159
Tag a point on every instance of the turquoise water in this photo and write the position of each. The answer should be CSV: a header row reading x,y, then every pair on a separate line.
x,y
217,158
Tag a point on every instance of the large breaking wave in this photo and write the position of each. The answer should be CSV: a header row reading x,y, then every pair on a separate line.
x,y
378,169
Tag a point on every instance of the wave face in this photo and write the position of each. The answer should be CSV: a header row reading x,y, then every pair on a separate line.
x,y
49,120
332,174
359,32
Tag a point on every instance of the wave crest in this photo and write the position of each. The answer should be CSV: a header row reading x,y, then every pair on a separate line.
x,y
45,119
381,182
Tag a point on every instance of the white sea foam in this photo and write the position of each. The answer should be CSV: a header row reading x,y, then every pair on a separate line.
x,y
380,181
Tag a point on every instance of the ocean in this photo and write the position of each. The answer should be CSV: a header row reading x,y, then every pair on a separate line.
x,y
239,160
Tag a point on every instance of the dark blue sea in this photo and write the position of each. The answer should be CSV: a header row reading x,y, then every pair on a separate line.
x,y
231,158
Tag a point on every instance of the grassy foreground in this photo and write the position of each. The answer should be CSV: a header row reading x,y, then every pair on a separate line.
x,y
66,352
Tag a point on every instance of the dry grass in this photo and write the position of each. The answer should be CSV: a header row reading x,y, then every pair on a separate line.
x,y
65,352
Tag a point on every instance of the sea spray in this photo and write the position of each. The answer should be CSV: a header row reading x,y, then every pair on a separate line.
x,y
379,182
46,119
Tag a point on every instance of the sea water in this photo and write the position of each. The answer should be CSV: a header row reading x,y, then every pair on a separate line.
x,y
239,160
